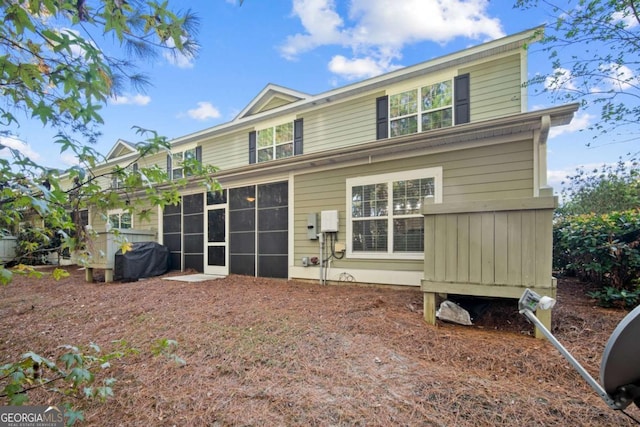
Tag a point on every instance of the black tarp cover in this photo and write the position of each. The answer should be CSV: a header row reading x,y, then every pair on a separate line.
x,y
145,259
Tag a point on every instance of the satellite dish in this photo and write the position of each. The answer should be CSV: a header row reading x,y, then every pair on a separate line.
x,y
619,371
620,367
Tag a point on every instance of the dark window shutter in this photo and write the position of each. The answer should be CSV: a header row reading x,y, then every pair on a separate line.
x,y
462,95
382,117
135,167
252,147
169,166
199,153
297,137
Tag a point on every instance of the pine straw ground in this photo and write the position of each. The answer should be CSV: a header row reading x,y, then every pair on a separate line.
x,y
276,352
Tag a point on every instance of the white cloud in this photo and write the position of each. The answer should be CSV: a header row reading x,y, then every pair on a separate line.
x,y
377,30
127,99
179,59
69,159
580,122
18,145
629,20
620,77
355,68
204,111
561,79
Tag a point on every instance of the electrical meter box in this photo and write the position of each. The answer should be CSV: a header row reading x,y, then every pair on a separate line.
x,y
312,226
329,221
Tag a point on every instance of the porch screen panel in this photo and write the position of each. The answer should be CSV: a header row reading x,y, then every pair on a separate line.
x,y
193,231
242,230
273,230
172,234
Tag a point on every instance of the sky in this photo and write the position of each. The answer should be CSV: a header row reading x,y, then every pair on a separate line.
x,y
313,46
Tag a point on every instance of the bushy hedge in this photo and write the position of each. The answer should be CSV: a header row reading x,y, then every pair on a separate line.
x,y
602,249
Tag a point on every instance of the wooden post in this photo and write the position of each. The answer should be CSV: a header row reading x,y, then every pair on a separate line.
x,y
108,275
545,318
88,274
429,307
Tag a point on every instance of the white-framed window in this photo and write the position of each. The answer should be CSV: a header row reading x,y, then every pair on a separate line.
x,y
384,218
177,159
275,142
120,219
117,181
421,109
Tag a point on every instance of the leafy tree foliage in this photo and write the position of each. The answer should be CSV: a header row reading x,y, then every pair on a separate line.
x,y
55,67
608,189
594,49
596,233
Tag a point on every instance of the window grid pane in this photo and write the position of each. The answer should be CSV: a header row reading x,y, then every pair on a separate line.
x,y
190,154
284,133
265,137
265,154
403,104
437,96
408,234
125,220
114,220
437,119
370,235
285,150
404,126
408,195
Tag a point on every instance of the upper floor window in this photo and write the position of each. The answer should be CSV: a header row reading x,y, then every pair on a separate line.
x,y
176,162
275,142
177,171
384,219
421,109
118,176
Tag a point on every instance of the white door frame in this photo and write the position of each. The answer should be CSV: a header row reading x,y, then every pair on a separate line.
x,y
216,269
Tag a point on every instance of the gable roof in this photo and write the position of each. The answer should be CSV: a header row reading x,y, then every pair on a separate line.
x,y
272,96
121,148
255,111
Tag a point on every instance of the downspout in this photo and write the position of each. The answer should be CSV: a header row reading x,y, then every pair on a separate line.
x,y
540,155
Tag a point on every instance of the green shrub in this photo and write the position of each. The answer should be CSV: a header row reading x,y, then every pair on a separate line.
x,y
612,297
603,249
34,244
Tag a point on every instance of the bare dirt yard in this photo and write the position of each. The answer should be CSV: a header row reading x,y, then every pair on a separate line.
x,y
285,353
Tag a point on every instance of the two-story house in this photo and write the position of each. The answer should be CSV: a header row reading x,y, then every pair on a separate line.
x,y
432,176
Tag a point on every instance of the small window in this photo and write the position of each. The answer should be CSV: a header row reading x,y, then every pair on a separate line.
x,y
275,142
177,160
119,219
421,109
117,180
385,219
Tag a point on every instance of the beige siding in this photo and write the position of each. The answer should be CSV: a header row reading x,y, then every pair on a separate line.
x,y
495,88
227,152
341,125
489,172
275,103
